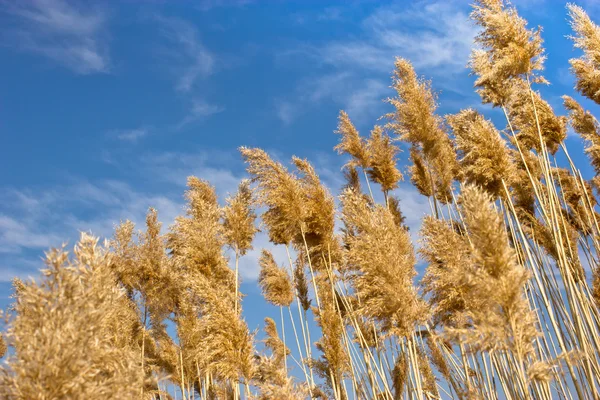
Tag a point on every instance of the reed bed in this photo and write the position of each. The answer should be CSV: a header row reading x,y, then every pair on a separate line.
x,y
507,308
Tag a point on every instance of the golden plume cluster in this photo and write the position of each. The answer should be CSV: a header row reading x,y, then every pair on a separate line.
x,y
495,296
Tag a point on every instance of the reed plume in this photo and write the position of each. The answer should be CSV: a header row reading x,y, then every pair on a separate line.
x,y
274,281
586,126
212,333
502,318
399,376
334,364
238,220
317,232
271,378
416,122
300,281
352,179
484,157
3,346
586,68
145,272
238,226
447,253
196,241
73,340
381,254
508,50
383,154
352,143
280,192
532,116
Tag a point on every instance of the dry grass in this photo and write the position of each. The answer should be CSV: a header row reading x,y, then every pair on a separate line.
x,y
508,306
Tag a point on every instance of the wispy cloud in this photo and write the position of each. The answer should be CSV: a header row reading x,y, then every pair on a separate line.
x,y
358,96
33,220
129,135
191,59
17,235
223,168
200,109
285,111
69,33
431,34
207,5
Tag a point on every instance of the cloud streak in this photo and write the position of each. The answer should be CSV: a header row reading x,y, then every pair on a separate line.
x,y
430,34
193,60
200,109
67,33
129,135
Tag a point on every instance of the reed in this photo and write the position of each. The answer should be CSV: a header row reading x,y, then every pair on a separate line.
x,y
508,306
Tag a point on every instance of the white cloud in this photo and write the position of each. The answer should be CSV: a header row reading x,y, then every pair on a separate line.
x,y
286,111
33,220
129,135
190,59
435,36
429,34
61,213
18,235
207,5
36,218
70,34
223,169
359,97
200,109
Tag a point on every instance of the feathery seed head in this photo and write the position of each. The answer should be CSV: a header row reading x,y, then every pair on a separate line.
x,y
196,240
300,281
3,347
485,160
278,348
419,173
394,207
383,160
447,253
523,112
416,122
382,254
510,49
586,126
351,143
274,281
399,375
587,67
239,218
84,348
352,179
495,301
280,191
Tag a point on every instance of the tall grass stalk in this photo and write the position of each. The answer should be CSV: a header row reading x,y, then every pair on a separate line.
x,y
508,306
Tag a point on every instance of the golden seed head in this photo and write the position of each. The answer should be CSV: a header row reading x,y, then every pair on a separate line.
x,y
485,160
274,281
351,143
509,50
239,220
586,68
383,154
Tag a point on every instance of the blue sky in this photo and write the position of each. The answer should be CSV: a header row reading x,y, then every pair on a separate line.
x,y
107,107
